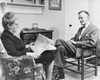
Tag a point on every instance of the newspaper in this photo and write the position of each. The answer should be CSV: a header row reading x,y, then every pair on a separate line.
x,y
42,44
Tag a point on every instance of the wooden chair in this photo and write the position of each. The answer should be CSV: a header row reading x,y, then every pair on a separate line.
x,y
84,64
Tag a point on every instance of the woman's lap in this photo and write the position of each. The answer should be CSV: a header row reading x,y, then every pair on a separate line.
x,y
46,58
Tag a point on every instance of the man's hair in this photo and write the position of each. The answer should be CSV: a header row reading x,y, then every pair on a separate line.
x,y
83,11
8,19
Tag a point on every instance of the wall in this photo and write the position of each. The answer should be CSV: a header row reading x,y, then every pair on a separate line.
x,y
50,19
72,8
94,8
1,14
59,21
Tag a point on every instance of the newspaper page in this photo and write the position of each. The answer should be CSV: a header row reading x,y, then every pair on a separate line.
x,y
41,44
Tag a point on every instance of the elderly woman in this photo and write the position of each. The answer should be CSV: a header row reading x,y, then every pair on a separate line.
x,y
15,47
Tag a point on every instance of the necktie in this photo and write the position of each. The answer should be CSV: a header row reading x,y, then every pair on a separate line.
x,y
81,30
79,33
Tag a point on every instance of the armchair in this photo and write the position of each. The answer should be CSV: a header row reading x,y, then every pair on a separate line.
x,y
21,68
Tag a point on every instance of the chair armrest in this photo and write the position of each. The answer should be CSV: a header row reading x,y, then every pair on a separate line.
x,y
22,66
80,53
86,47
15,58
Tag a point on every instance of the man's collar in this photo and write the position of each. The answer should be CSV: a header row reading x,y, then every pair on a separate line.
x,y
87,24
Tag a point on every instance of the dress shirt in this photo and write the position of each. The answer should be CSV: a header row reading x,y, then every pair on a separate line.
x,y
85,26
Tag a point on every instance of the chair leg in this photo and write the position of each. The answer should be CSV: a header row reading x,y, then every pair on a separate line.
x,y
82,68
78,64
96,67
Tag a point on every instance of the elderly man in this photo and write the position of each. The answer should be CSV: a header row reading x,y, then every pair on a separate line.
x,y
87,35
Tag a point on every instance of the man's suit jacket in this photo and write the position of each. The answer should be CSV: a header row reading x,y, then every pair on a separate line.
x,y
88,38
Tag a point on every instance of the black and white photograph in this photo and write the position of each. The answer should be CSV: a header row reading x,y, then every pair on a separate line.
x,y
49,39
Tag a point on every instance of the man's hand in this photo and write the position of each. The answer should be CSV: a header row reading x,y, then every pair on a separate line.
x,y
74,42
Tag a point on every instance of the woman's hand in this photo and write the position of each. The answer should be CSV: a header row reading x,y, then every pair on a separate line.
x,y
35,55
29,45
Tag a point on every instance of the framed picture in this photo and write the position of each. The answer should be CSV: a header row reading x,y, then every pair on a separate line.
x,y
55,4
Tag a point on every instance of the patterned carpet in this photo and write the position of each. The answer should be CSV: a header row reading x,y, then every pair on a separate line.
x,y
73,76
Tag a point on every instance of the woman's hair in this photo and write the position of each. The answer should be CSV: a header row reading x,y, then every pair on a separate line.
x,y
8,20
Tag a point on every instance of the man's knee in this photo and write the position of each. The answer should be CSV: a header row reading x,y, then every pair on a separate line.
x,y
58,42
60,47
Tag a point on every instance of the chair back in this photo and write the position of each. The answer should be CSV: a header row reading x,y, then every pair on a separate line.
x,y
98,48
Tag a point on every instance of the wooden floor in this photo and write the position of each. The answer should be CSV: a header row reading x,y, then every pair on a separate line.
x,y
73,76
